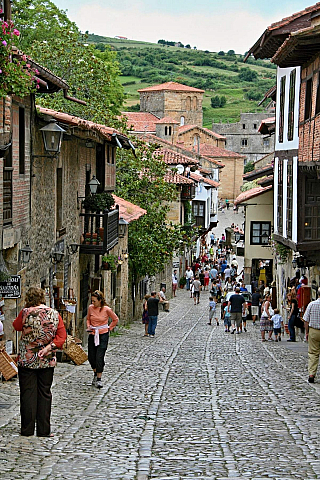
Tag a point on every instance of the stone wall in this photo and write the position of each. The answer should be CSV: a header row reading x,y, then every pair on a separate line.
x,y
188,139
246,130
230,177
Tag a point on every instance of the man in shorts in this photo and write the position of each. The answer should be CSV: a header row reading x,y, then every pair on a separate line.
x,y
236,303
196,290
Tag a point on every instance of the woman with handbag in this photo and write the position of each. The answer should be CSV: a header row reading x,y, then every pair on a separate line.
x,y
42,333
265,320
99,328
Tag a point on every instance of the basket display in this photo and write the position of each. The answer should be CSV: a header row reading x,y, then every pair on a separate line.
x,y
8,367
74,351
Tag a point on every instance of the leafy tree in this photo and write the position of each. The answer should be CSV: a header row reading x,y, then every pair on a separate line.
x,y
188,45
249,167
152,239
248,75
221,53
52,40
231,52
218,102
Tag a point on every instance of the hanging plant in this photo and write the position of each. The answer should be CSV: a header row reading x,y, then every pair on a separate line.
x,y
109,262
16,75
98,202
282,251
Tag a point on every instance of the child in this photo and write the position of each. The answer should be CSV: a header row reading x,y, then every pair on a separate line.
x,y
277,324
227,319
212,310
244,318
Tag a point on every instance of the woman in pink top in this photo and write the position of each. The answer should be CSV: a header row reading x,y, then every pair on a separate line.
x,y
99,328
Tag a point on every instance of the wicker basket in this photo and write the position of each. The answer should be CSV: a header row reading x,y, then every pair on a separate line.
x,y
8,367
74,351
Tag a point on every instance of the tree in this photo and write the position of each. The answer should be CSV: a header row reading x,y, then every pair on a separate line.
x,y
231,52
249,167
55,42
218,102
152,239
247,75
188,45
221,53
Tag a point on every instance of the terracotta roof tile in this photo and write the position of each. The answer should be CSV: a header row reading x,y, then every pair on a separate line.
x,y
141,121
174,158
129,211
167,120
212,151
177,179
81,123
203,170
186,128
200,178
173,86
253,192
258,172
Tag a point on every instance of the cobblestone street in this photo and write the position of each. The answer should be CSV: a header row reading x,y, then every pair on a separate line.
x,y
193,402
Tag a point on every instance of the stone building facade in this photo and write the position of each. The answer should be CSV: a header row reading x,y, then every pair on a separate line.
x,y
177,101
243,137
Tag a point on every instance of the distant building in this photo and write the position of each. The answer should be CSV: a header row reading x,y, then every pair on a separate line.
x,y
121,38
243,137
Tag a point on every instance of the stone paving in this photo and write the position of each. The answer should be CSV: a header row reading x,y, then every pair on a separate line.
x,y
192,403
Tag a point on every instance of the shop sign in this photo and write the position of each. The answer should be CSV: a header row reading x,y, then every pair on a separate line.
x,y
11,288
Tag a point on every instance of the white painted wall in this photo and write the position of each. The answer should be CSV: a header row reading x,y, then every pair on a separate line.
x,y
275,194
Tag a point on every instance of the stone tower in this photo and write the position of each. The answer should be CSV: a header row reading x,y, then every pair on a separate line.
x,y
175,100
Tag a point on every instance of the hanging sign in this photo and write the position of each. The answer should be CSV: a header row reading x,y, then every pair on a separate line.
x,y
11,288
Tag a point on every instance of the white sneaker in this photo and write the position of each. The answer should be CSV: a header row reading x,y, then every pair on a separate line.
x,y
99,383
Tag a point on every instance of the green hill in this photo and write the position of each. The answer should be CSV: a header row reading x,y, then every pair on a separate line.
x,y
219,74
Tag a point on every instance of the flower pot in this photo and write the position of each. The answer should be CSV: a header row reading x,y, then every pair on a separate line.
x,y
105,266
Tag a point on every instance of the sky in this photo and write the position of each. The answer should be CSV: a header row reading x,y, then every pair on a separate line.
x,y
207,24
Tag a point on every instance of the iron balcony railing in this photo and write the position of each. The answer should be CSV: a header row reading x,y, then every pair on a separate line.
x,y
100,232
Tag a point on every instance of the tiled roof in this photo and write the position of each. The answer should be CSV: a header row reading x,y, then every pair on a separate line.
x,y
271,93
141,121
294,16
186,128
267,126
266,181
212,151
203,170
67,119
253,192
177,179
259,172
173,86
127,210
174,158
200,178
167,120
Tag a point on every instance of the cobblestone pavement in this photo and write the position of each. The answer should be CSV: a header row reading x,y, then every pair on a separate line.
x,y
192,403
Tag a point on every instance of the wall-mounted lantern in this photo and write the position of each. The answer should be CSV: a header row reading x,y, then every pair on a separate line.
x,y
56,256
93,185
25,253
122,227
72,248
52,137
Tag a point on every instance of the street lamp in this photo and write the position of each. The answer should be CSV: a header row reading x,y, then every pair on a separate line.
x,y
122,227
25,253
93,185
72,248
52,137
56,256
237,237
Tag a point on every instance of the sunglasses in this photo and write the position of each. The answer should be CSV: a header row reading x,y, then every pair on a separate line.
x,y
97,294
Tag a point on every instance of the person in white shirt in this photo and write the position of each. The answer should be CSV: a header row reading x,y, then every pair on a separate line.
x,y
174,282
189,276
163,299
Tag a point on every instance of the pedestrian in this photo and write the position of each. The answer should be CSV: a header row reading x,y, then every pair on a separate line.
x,y
255,304
189,275
312,325
227,203
206,278
226,318
212,240
174,282
163,299
293,316
145,316
277,324
244,317
153,312
212,310
196,290
1,331
201,276
213,274
99,330
42,332
265,320
236,303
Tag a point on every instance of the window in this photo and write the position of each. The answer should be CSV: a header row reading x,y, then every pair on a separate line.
x,y
312,210
22,140
318,96
280,187
182,121
170,131
244,126
101,164
255,126
198,213
266,142
166,130
260,233
244,142
59,200
194,103
188,103
308,100
292,89
289,200
7,187
281,112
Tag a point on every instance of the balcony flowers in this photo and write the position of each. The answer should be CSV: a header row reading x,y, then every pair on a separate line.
x,y
16,76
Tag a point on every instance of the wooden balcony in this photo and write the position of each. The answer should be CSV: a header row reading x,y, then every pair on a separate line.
x,y
100,232
188,192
